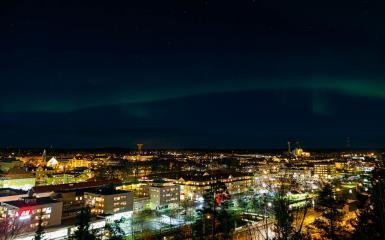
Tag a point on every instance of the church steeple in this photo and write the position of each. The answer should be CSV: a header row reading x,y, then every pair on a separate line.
x,y
44,158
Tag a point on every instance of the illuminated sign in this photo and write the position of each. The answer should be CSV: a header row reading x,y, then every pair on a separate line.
x,y
24,214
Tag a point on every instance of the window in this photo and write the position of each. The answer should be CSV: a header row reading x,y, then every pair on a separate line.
x,y
47,210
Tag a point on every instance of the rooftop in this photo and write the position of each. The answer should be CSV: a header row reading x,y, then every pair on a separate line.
x,y
74,186
209,176
37,201
11,192
106,191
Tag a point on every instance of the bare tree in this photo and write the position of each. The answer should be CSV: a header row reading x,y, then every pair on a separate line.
x,y
280,221
11,227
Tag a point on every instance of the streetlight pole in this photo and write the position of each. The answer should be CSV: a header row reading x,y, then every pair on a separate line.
x,y
213,230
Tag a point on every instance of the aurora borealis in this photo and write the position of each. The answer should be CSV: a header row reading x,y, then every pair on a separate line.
x,y
192,74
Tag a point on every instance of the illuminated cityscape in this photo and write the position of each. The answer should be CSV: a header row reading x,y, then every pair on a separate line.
x,y
192,120
184,194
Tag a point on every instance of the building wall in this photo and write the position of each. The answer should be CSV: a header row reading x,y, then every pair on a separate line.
x,y
110,204
56,213
71,204
239,186
50,213
324,170
164,196
194,190
141,204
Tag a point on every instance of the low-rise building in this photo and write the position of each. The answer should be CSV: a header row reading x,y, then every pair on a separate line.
x,y
164,195
139,189
193,186
30,209
105,201
324,170
72,195
72,201
79,161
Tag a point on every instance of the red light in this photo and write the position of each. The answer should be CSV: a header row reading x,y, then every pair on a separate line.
x,y
24,213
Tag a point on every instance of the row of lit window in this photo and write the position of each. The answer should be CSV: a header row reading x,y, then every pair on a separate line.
x,y
33,225
37,217
95,210
44,210
171,199
119,198
97,199
120,203
170,189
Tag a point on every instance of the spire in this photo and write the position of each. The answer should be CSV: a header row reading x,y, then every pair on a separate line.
x,y
44,157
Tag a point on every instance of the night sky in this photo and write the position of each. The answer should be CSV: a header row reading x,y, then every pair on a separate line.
x,y
192,73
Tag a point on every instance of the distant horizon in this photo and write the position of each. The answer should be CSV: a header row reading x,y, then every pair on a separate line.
x,y
188,149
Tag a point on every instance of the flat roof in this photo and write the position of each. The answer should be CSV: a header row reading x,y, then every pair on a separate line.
x,y
39,201
74,186
106,191
4,192
212,176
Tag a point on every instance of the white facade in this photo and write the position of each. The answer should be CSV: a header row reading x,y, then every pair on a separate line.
x,y
166,196
141,204
109,202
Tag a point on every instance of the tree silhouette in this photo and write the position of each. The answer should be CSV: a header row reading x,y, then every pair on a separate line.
x,y
83,231
283,217
114,231
371,211
39,233
329,206
10,228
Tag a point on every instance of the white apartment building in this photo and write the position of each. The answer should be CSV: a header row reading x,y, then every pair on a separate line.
x,y
106,201
164,195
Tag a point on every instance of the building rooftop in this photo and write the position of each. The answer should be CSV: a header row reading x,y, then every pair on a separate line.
x,y
11,192
106,191
33,202
202,176
209,176
74,186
